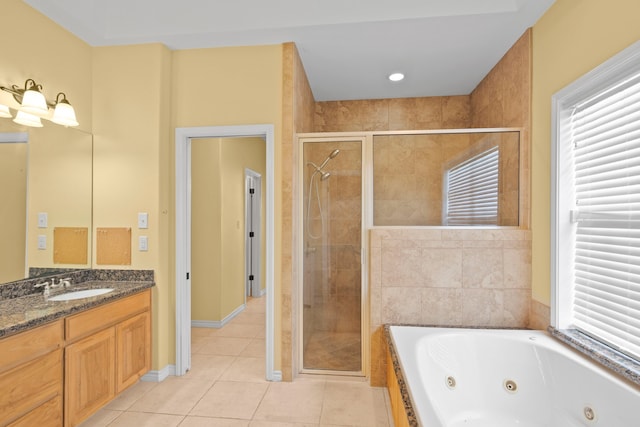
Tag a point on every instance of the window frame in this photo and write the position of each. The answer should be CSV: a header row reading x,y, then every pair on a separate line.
x,y
614,70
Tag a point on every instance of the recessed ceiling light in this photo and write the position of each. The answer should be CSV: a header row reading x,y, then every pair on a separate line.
x,y
396,77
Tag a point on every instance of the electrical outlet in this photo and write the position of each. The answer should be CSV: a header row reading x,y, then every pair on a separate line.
x,y
143,243
42,242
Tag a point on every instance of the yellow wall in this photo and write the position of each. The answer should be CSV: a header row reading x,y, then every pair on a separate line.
x,y
238,154
131,98
206,240
131,167
217,223
572,38
233,86
60,185
60,62
35,47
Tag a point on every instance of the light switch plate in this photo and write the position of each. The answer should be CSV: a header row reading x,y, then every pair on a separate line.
x,y
143,220
42,220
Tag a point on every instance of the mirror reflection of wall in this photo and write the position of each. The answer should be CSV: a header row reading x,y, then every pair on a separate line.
x,y
57,163
13,205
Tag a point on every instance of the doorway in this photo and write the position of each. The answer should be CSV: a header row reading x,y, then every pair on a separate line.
x,y
184,138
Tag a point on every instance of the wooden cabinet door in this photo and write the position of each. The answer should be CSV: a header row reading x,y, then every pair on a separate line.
x,y
28,386
48,414
133,350
89,375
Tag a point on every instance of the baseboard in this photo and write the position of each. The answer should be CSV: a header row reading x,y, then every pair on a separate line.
x,y
276,376
159,376
217,323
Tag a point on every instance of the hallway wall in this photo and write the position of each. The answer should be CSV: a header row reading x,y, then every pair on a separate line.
x,y
217,224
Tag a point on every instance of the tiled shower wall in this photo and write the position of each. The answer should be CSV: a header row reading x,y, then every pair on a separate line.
x,y
408,175
446,277
502,99
297,112
332,267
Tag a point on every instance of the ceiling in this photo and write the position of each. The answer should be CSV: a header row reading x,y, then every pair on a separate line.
x,y
348,47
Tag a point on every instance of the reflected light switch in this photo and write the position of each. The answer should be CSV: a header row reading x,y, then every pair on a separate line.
x,y
143,220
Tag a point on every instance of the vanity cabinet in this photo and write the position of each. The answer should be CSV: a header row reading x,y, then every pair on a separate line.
x,y
31,377
108,349
89,375
395,396
133,350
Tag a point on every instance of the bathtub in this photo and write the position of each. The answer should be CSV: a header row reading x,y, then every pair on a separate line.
x,y
499,378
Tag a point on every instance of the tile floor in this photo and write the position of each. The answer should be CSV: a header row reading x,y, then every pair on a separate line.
x,y
226,388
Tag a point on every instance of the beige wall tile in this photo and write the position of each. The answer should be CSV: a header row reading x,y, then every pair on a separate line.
x,y
539,315
482,268
402,267
517,268
482,307
401,305
516,307
442,307
441,268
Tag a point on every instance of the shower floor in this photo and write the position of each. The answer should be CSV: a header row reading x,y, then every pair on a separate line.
x,y
336,351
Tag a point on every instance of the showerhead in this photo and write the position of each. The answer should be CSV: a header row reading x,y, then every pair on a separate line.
x,y
324,175
329,157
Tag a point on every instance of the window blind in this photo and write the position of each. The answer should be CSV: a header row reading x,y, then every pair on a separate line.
x,y
471,190
605,133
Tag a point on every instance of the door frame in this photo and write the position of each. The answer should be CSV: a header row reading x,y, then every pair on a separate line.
x,y
183,236
366,141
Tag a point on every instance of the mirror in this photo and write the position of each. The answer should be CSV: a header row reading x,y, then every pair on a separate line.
x,y
46,189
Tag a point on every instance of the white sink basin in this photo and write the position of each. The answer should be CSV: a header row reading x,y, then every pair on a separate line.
x,y
80,294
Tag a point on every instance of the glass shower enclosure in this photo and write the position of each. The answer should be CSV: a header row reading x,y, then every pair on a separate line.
x,y
331,331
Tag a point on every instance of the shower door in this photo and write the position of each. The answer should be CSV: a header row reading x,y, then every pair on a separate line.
x,y
331,241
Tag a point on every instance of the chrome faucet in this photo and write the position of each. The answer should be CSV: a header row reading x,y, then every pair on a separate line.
x,y
63,282
47,289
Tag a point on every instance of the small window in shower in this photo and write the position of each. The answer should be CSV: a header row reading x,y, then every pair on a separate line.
x,y
410,173
471,190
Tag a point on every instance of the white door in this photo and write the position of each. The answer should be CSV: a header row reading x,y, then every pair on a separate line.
x,y
253,238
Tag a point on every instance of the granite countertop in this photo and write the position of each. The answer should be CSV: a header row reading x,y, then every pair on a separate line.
x,y
29,311
412,419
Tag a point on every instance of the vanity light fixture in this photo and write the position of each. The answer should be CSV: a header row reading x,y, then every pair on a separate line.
x,y
64,114
4,112
27,119
396,77
33,106
33,101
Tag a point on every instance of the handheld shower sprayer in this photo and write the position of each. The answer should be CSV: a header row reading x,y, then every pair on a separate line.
x,y
324,175
329,157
